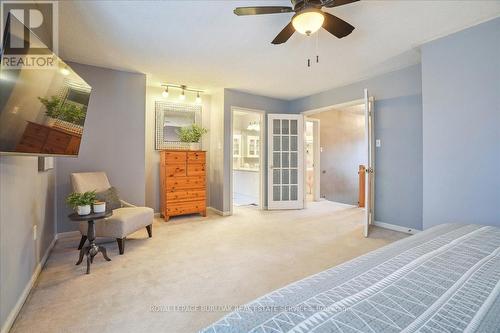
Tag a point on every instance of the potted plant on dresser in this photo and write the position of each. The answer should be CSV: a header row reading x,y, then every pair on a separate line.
x,y
64,114
192,135
81,202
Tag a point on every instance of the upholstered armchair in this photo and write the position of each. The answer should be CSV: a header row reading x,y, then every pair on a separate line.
x,y
123,222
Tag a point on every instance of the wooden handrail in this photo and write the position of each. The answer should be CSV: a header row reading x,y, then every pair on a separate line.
x,y
361,196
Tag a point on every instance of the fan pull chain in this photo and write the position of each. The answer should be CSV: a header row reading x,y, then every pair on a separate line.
x,y
317,51
308,59
317,47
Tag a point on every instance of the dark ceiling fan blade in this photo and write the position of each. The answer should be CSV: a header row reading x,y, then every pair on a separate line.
x,y
262,10
284,35
336,3
337,27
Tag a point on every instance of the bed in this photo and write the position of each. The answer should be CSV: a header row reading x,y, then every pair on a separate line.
x,y
445,279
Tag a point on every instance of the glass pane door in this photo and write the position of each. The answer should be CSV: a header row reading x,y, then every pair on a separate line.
x,y
286,138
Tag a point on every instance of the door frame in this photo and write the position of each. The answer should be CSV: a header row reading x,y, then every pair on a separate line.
x,y
316,158
262,135
335,106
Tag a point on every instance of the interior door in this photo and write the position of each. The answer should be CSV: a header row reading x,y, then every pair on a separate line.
x,y
285,161
370,167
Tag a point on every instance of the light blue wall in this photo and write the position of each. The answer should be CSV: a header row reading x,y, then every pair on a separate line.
x,y
404,82
27,198
113,139
398,124
398,163
461,126
233,98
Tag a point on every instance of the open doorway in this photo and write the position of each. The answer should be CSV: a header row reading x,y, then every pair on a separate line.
x,y
341,139
312,159
247,161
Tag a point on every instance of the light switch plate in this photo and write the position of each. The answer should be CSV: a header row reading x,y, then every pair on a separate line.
x,y
378,143
45,163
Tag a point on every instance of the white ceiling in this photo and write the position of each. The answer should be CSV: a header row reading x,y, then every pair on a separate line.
x,y
204,45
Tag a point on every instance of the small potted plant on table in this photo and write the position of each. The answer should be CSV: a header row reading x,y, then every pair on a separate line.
x,y
81,201
192,135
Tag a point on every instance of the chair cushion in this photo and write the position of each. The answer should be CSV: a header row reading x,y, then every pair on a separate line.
x,y
89,181
110,196
122,223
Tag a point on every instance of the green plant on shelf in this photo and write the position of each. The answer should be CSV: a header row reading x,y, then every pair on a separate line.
x,y
191,133
76,199
66,111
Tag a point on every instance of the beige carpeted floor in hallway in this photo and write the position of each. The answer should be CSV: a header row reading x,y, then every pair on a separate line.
x,y
193,261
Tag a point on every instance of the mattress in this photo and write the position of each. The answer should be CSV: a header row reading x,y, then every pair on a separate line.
x,y
445,279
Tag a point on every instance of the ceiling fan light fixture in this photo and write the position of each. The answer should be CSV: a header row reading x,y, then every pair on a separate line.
x,y
308,21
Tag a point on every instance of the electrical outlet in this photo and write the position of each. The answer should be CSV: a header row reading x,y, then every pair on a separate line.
x,y
378,143
34,232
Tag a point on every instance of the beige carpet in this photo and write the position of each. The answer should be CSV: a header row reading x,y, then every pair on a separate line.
x,y
193,261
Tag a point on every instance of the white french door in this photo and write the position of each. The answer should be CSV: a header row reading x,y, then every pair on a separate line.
x,y
370,171
285,161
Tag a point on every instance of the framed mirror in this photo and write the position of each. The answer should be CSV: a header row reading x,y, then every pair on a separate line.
x,y
170,118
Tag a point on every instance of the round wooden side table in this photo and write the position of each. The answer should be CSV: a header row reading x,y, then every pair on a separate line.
x,y
92,249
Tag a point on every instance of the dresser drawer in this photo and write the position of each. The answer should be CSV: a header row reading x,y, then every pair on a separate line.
x,y
57,140
36,132
175,170
185,183
175,157
185,195
196,157
30,144
57,143
73,146
186,207
196,169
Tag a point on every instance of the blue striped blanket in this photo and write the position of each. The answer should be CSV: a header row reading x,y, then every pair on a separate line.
x,y
445,279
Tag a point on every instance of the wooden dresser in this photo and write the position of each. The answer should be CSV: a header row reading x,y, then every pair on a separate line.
x,y
182,181
48,140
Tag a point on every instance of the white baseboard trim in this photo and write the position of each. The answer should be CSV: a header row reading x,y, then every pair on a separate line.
x,y
24,295
68,234
396,227
157,215
218,212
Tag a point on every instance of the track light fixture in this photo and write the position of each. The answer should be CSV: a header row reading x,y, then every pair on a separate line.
x,y
183,89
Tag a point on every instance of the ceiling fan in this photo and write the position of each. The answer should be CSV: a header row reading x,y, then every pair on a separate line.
x,y
308,18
